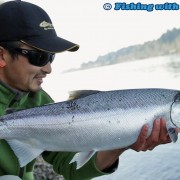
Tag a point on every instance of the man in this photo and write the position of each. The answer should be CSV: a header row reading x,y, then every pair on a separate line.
x,y
28,43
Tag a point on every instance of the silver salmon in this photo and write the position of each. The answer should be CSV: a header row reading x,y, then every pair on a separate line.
x,y
92,121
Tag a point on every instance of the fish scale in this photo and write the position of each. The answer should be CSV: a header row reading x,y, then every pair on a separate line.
x,y
91,121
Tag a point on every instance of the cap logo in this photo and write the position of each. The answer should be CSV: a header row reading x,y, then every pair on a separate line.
x,y
46,25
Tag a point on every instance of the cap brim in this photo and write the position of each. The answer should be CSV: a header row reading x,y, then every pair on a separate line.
x,y
53,45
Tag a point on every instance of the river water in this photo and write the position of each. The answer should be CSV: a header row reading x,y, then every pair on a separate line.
x,y
163,163
158,72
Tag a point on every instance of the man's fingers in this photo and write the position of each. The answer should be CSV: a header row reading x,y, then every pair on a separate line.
x,y
159,135
138,146
164,136
153,139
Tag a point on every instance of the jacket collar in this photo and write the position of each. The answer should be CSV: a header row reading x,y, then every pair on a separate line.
x,y
9,94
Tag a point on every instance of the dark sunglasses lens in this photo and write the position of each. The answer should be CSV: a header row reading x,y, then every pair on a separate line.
x,y
40,59
34,57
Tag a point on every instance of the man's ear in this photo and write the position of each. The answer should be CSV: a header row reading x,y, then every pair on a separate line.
x,y
2,61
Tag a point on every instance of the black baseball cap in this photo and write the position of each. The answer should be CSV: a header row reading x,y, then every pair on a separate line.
x,y
30,24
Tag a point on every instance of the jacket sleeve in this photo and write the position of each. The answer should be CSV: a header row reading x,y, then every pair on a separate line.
x,y
60,162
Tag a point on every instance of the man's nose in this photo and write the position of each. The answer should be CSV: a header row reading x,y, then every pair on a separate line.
x,y
47,68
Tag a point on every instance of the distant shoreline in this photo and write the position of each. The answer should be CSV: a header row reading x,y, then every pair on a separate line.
x,y
167,44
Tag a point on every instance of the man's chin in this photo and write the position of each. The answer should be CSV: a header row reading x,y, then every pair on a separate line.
x,y
35,88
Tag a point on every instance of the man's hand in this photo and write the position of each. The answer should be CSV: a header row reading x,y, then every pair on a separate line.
x,y
159,135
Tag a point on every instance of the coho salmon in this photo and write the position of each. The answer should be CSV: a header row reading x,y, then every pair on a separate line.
x,y
92,121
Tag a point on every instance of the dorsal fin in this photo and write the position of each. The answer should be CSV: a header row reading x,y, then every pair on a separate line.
x,y
81,93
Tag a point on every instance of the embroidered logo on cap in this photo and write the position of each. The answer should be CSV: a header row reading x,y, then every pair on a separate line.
x,y
46,25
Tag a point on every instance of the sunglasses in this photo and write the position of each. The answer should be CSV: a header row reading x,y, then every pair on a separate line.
x,y
34,57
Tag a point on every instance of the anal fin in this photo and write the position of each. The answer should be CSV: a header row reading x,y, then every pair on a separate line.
x,y
24,152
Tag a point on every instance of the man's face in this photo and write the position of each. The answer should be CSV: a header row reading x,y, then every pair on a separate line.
x,y
20,74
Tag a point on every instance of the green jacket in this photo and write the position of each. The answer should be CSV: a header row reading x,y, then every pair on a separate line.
x,y
9,165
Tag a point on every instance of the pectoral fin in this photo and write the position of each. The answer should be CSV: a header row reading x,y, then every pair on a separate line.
x,y
173,134
82,158
24,152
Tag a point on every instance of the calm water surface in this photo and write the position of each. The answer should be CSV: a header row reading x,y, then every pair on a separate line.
x,y
159,72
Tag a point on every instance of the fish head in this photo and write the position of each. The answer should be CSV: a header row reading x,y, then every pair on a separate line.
x,y
175,111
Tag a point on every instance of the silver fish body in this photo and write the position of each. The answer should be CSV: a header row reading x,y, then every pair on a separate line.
x,y
101,120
